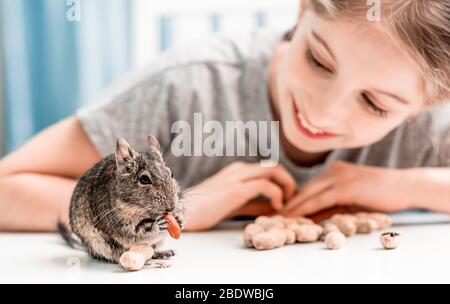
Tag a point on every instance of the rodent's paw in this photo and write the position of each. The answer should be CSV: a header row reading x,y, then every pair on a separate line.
x,y
161,255
180,219
162,224
146,225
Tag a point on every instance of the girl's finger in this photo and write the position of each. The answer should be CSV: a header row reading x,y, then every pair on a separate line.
x,y
277,174
265,187
309,190
324,200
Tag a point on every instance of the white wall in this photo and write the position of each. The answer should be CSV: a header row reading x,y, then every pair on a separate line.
x,y
194,18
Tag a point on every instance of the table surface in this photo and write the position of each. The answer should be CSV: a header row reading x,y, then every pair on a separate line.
x,y
219,257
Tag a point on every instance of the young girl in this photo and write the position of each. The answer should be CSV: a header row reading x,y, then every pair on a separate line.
x,y
346,88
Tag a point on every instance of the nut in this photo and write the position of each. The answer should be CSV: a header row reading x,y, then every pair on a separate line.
x,y
271,239
345,223
335,240
329,227
304,221
383,220
251,230
366,225
390,240
306,233
267,222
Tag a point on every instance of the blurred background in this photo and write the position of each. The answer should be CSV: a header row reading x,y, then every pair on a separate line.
x,y
56,55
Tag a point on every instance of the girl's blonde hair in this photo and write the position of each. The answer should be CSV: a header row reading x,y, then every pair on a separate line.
x,y
422,27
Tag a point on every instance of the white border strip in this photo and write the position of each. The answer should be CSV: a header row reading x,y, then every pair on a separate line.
x,y
2,95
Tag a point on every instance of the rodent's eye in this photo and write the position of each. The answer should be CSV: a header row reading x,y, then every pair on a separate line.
x,y
145,180
171,174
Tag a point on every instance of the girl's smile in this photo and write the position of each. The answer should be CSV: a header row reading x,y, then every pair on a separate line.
x,y
306,128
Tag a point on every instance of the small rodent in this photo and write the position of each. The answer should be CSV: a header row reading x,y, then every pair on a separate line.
x,y
121,204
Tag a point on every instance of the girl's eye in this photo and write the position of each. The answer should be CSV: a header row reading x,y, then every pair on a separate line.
x,y
145,180
314,61
373,107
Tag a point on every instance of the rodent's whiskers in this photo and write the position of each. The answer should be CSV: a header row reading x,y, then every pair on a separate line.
x,y
182,193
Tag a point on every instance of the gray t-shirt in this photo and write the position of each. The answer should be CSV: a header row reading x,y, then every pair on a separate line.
x,y
225,79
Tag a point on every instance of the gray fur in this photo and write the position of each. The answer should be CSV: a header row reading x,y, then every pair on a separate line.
x,y
112,210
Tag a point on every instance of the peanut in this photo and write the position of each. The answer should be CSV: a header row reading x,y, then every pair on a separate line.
x,y
335,240
345,223
251,230
366,225
270,239
390,240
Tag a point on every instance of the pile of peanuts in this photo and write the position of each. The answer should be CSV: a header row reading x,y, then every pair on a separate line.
x,y
273,232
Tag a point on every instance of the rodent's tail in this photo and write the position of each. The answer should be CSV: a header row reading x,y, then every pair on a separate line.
x,y
68,237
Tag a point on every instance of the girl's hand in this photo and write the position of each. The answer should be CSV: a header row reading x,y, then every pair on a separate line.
x,y
217,197
344,184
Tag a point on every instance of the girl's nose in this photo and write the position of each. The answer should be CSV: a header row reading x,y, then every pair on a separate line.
x,y
324,117
324,113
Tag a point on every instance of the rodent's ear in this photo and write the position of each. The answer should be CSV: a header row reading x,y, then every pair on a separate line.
x,y
155,148
125,156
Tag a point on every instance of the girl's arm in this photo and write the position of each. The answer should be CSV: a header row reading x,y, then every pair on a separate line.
x,y
430,188
381,189
36,181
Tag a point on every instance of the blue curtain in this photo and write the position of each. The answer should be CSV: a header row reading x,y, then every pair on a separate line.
x,y
52,65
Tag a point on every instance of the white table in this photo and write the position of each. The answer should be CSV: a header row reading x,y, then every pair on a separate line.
x,y
219,257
